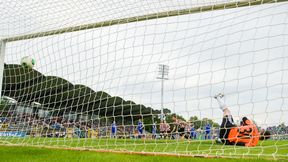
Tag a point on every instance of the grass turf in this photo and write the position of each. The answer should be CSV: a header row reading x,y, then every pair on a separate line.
x,y
264,151
27,154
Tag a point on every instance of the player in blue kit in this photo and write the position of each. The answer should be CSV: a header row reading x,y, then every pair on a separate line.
x,y
207,131
193,133
140,128
154,129
113,129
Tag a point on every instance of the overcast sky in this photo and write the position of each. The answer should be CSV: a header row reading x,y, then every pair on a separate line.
x,y
242,53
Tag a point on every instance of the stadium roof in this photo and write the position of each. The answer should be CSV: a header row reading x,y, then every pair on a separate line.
x,y
28,85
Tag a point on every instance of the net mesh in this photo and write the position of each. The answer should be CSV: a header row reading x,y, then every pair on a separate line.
x,y
101,88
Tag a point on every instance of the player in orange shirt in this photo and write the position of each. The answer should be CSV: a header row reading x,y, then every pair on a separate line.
x,y
230,134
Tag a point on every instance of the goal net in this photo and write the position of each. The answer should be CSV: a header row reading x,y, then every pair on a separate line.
x,y
141,76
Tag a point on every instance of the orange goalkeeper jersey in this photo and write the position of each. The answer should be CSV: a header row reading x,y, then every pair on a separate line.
x,y
247,134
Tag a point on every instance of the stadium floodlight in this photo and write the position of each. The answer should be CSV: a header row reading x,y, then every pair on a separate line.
x,y
163,71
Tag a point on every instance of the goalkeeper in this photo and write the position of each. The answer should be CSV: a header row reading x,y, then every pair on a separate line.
x,y
230,134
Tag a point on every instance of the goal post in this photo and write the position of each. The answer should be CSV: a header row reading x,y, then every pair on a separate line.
x,y
98,80
2,56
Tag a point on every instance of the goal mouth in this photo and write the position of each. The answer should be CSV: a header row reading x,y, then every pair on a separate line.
x,y
187,79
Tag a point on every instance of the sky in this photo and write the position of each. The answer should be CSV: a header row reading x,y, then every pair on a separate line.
x,y
241,52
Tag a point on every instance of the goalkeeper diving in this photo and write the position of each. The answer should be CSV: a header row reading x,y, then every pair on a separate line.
x,y
230,134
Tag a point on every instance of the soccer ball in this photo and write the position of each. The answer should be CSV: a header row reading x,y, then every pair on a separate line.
x,y
27,62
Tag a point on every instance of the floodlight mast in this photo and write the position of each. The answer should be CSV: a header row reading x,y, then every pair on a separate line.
x,y
163,75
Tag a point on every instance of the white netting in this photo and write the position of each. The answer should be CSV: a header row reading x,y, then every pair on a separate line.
x,y
32,16
84,81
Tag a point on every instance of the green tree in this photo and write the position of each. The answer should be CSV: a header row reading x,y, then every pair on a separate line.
x,y
196,122
148,121
169,118
3,106
281,127
200,123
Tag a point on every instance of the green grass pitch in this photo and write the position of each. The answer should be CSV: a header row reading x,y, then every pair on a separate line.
x,y
265,151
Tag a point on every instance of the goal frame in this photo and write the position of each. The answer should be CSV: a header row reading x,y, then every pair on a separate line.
x,y
193,10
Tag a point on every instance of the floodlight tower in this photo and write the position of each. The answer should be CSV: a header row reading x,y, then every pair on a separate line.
x,y
163,75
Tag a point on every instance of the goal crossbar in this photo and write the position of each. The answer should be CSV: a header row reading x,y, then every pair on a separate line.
x,y
229,5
